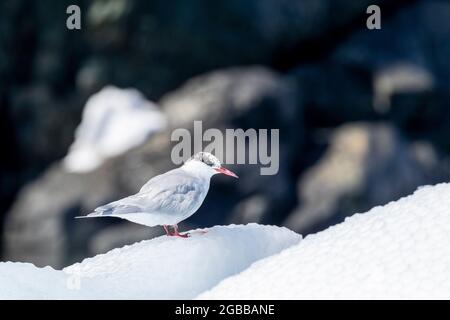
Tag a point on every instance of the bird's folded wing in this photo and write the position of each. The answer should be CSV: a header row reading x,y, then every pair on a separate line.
x,y
175,194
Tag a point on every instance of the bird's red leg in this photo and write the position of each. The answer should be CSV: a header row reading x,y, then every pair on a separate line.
x,y
166,229
177,234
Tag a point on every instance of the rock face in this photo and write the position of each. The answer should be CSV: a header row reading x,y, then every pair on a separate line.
x,y
405,82
150,38
365,165
410,74
41,228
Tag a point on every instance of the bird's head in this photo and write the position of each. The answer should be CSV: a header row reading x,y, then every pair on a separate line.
x,y
206,163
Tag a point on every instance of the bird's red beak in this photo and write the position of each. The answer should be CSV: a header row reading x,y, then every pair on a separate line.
x,y
226,172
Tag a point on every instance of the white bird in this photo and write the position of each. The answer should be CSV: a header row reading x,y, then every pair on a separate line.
x,y
168,198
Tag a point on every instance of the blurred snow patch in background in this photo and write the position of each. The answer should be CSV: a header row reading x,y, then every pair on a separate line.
x,y
114,121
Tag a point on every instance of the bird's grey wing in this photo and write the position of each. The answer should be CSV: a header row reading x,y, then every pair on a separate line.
x,y
131,204
174,192
156,180
180,198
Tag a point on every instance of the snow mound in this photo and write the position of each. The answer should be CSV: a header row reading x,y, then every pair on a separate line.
x,y
25,281
114,120
398,251
160,268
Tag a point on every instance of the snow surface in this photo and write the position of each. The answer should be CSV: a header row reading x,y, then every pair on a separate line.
x,y
160,268
398,251
114,120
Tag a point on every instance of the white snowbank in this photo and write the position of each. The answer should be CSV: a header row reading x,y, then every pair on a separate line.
x,y
114,121
161,268
401,250
25,281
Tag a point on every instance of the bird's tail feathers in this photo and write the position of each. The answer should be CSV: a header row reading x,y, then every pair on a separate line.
x,y
90,215
112,209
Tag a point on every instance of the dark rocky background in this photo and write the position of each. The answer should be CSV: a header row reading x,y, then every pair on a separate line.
x,y
363,114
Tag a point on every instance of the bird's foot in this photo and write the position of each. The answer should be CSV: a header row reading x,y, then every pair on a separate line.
x,y
181,235
167,230
175,233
